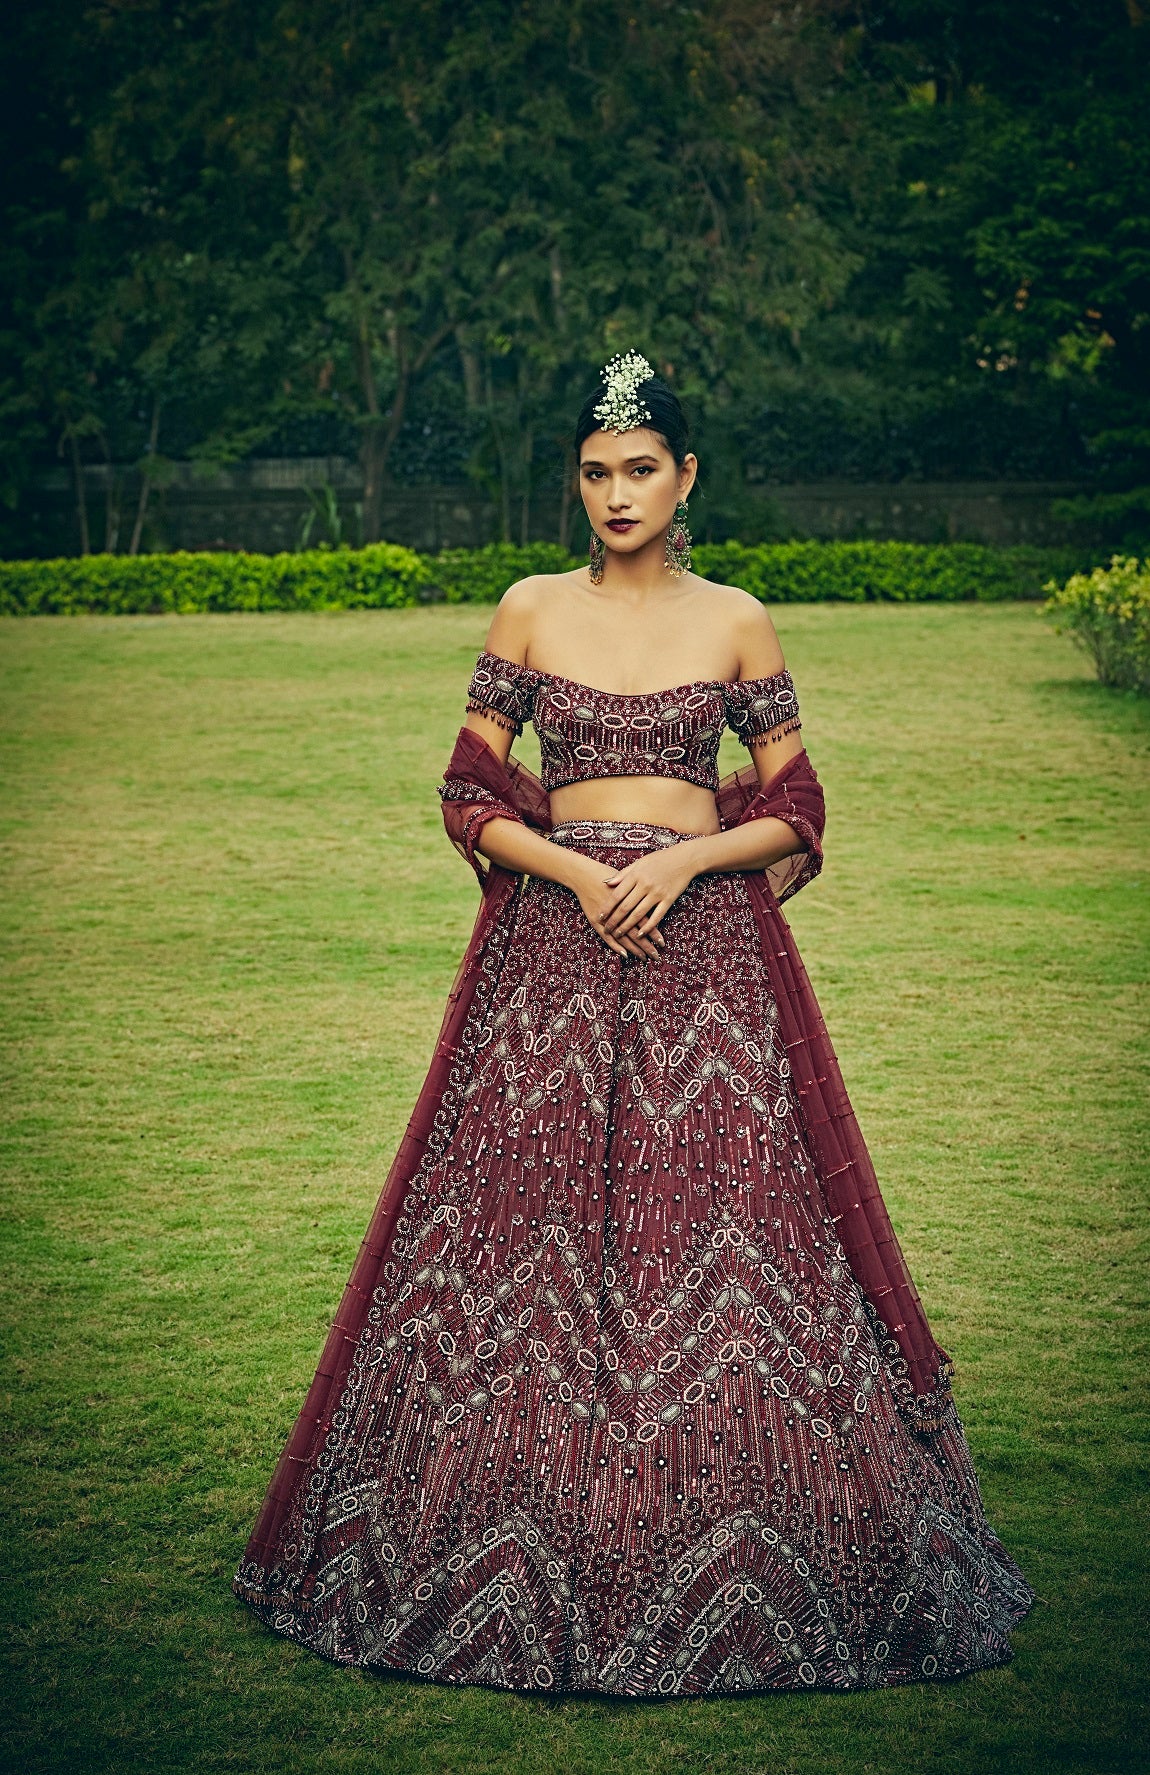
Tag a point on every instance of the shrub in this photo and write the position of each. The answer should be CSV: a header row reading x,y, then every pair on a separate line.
x,y
792,572
384,575
481,576
381,575
1108,613
899,572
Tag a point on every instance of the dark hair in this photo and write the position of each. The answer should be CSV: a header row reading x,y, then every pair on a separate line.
x,y
663,404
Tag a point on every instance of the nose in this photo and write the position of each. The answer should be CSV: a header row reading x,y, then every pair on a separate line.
x,y
620,496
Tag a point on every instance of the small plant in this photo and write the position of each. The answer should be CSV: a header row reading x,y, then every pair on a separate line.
x,y
323,519
1108,613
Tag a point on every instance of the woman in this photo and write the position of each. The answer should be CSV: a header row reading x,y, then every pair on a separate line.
x,y
630,1390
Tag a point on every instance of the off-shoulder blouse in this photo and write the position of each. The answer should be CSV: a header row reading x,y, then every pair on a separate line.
x,y
586,733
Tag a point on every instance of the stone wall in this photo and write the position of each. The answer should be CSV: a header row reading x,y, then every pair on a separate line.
x,y
262,506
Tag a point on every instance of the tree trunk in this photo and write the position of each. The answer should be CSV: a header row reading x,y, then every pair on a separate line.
x,y
504,466
565,500
373,460
113,489
375,455
371,453
525,507
556,268
373,450
146,478
382,433
472,376
81,494
113,512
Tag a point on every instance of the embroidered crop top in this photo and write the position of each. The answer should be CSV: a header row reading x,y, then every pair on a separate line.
x,y
586,733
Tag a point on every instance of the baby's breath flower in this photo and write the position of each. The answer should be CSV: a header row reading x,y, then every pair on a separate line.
x,y
621,409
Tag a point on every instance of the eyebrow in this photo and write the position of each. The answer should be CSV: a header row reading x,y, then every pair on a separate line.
x,y
647,456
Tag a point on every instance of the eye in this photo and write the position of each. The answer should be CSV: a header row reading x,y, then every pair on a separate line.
x,y
643,468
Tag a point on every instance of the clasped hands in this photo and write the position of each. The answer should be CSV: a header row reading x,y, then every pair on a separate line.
x,y
626,906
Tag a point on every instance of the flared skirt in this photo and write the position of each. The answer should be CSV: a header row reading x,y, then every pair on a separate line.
x,y
620,1418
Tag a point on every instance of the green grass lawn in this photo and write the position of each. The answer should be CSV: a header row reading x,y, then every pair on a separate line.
x,y
230,918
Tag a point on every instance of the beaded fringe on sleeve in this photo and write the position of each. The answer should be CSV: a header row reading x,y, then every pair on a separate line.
x,y
762,710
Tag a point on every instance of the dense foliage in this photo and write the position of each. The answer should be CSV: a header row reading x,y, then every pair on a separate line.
x,y
864,243
379,576
382,576
1108,613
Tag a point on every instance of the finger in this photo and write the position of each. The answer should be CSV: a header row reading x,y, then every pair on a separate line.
x,y
629,925
637,946
617,895
635,915
652,921
628,885
597,926
624,907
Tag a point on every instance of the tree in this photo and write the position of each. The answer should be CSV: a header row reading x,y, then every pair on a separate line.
x,y
858,242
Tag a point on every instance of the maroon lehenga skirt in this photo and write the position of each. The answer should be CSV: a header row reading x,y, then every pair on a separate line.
x,y
619,1418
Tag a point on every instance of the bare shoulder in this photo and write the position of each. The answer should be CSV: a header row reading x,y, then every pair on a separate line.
x,y
524,609
751,630
514,621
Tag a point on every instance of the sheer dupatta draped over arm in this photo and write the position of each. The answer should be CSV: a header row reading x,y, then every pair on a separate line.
x,y
846,1172
477,788
793,794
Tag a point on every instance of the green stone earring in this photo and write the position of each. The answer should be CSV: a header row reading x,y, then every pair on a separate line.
x,y
678,555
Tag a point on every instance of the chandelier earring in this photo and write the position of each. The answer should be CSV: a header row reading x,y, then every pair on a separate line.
x,y
678,554
597,554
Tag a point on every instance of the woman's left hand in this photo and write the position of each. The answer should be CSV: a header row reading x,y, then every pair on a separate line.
x,y
648,888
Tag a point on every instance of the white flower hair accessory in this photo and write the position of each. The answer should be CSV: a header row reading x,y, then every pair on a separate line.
x,y
621,409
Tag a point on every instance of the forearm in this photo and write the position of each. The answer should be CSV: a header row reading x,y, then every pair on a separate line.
x,y
517,847
753,846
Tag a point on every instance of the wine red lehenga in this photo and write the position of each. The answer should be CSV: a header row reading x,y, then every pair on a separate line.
x,y
631,1391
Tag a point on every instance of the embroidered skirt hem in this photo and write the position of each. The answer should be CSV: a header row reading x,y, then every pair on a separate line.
x,y
619,1419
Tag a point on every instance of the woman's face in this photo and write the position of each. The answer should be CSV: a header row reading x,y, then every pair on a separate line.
x,y
630,485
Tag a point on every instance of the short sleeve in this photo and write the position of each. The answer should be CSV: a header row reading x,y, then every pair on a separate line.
x,y
761,709
503,691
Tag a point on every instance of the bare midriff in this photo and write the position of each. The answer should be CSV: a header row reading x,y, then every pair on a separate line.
x,y
648,801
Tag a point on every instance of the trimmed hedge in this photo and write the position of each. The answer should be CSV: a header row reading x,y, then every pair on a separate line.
x,y
895,572
1108,613
381,576
481,576
386,576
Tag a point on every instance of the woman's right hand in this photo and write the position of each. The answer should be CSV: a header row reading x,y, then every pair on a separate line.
x,y
589,884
